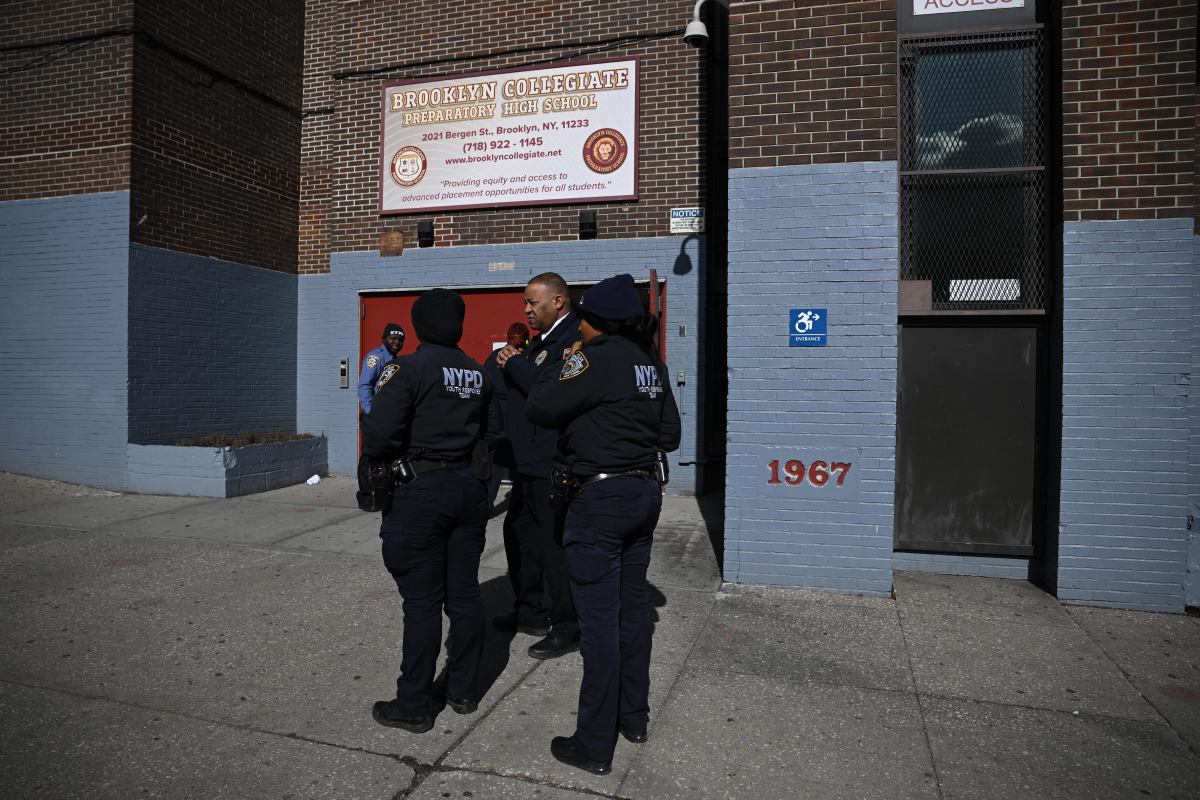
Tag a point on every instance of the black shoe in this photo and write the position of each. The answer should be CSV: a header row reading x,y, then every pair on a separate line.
x,y
508,623
635,735
554,646
564,749
462,706
386,712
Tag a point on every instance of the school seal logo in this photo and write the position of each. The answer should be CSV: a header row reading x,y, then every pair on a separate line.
x,y
573,367
605,151
409,166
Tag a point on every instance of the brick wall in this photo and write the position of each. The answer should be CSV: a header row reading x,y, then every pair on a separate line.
x,y
815,236
212,347
192,106
352,48
1128,109
1129,290
259,44
1193,586
316,361
216,130
812,82
64,280
65,87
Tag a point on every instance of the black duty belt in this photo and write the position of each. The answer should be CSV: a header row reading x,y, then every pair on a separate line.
x,y
424,465
629,473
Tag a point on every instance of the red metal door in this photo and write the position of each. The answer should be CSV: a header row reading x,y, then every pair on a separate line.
x,y
489,313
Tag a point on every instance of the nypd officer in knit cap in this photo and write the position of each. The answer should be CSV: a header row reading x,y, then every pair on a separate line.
x,y
431,409
372,365
616,417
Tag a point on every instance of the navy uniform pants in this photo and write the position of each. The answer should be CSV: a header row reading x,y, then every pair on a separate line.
x,y
609,529
432,539
538,528
522,550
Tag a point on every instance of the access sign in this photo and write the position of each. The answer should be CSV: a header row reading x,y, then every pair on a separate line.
x,y
808,327
953,6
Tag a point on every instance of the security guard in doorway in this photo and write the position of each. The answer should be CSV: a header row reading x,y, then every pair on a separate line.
x,y
374,361
431,411
617,418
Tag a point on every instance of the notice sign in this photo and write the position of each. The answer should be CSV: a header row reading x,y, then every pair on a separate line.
x,y
687,220
808,327
951,6
565,134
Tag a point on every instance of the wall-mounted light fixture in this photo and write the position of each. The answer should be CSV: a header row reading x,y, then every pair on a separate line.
x,y
587,224
425,233
696,32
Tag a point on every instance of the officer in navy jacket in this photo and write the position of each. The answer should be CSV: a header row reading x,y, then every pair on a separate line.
x,y
374,361
615,412
543,560
433,408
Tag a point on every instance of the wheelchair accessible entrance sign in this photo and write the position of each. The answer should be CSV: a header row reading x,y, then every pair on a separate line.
x,y
808,327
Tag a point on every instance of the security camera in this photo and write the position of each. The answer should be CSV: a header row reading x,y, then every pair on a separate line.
x,y
696,34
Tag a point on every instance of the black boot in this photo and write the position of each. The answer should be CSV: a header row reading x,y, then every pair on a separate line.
x,y
565,750
387,712
555,645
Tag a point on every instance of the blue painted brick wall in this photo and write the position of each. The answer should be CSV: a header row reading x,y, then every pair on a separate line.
x,y
1193,575
824,237
677,260
316,364
64,289
212,347
1129,304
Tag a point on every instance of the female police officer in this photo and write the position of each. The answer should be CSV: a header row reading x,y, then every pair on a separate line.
x,y
615,412
429,412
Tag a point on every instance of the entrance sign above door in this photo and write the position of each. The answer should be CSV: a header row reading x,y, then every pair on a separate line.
x,y
563,134
954,6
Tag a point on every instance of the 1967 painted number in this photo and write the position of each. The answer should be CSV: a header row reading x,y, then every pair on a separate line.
x,y
818,472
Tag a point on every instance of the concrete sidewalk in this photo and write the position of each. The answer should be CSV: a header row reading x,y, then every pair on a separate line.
x,y
181,647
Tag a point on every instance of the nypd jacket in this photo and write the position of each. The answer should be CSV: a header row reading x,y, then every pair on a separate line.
x,y
532,436
612,405
434,404
372,366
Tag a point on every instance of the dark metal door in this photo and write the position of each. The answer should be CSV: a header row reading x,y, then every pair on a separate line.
x,y
966,476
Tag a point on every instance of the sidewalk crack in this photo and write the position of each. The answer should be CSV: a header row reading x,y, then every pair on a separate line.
x,y
912,673
1129,679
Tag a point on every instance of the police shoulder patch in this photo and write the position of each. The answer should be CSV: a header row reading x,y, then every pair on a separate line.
x,y
386,375
541,357
573,367
372,362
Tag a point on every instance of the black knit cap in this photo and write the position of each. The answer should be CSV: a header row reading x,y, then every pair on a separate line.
x,y
614,298
393,329
437,317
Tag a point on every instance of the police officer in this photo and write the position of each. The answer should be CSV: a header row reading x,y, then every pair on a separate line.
x,y
543,562
372,365
502,460
430,411
616,417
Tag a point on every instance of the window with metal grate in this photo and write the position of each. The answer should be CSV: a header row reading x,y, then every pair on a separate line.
x,y
973,177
